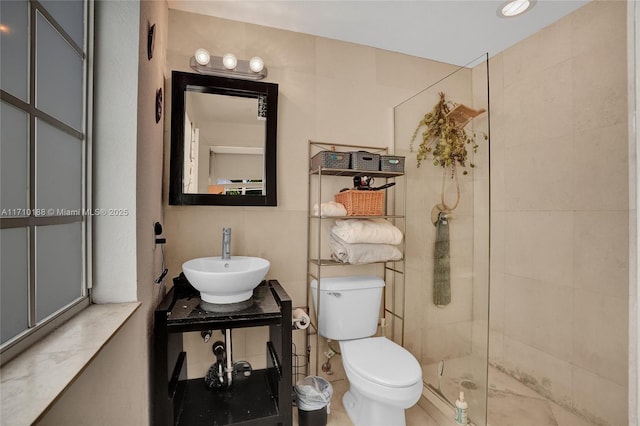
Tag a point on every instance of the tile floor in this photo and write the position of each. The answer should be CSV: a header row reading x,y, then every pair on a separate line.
x,y
510,403
415,416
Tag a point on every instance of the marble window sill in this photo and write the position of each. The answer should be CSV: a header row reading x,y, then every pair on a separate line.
x,y
30,383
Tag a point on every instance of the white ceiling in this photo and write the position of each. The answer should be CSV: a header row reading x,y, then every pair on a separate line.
x,y
451,31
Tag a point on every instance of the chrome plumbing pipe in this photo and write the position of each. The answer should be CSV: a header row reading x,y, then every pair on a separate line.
x,y
229,367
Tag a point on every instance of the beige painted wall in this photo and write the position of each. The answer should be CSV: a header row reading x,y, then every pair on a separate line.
x,y
328,91
560,211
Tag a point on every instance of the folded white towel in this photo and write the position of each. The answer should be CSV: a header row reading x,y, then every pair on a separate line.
x,y
361,253
372,231
330,208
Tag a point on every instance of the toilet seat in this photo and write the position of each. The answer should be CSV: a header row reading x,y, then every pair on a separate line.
x,y
381,361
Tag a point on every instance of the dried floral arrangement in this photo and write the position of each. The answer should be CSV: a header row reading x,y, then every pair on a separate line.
x,y
444,137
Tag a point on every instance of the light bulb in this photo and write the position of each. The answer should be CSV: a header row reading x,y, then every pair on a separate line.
x,y
256,64
229,61
515,7
202,56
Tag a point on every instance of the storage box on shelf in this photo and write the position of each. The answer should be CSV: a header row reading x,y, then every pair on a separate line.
x,y
392,163
364,160
330,160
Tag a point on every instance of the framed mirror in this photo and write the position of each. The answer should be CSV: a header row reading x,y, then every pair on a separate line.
x,y
223,141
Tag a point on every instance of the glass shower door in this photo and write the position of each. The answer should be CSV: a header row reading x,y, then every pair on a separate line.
x,y
446,292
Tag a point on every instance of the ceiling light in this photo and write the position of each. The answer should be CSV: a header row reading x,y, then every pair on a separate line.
x,y
515,7
202,56
229,61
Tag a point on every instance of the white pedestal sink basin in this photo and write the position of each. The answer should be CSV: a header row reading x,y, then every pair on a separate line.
x,y
224,281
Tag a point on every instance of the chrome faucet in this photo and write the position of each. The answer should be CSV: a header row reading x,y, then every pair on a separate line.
x,y
226,243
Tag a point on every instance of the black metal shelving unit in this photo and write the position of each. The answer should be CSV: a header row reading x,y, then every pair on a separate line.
x,y
262,399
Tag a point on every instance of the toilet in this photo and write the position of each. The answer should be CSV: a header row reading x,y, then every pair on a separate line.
x,y
384,378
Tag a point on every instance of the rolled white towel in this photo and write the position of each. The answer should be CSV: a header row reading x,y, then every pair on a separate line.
x,y
371,231
361,253
330,208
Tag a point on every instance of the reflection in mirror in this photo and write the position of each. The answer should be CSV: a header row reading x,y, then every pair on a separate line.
x,y
224,145
223,141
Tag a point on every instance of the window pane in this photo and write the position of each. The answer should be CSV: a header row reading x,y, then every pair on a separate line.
x,y
14,284
14,161
58,267
14,55
59,76
70,15
58,170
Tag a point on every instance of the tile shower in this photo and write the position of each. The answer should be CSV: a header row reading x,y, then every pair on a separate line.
x,y
550,330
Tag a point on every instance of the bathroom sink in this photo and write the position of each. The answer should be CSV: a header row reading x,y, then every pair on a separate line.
x,y
223,281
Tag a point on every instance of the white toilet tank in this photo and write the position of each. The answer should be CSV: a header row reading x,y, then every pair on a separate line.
x,y
349,306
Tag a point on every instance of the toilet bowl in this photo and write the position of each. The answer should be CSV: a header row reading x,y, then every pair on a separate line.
x,y
384,380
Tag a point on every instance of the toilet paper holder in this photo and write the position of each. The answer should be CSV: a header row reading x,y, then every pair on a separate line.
x,y
300,319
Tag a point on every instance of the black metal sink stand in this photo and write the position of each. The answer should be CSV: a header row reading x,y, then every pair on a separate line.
x,y
262,399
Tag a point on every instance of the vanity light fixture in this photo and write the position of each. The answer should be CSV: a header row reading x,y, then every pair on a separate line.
x,y
515,7
228,65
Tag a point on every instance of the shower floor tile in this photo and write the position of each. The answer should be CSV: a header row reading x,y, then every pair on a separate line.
x,y
508,408
510,402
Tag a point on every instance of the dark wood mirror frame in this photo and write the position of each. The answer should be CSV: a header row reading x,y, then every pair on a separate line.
x,y
181,82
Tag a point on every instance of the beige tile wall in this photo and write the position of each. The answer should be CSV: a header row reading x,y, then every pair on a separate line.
x,y
328,91
559,282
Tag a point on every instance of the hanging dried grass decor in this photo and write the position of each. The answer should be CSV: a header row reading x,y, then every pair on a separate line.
x,y
444,137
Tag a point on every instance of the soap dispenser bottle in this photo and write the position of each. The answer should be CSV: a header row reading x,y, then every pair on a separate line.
x,y
461,410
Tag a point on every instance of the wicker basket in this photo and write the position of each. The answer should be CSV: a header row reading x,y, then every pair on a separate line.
x,y
361,203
